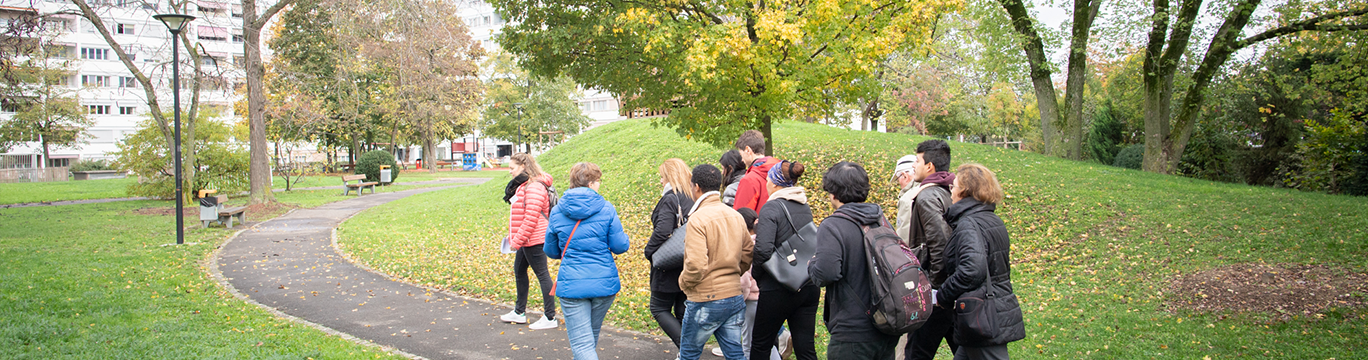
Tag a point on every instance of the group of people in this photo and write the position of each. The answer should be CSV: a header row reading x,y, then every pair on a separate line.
x,y
741,215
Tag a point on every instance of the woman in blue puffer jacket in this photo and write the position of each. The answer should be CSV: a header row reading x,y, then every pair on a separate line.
x,y
584,232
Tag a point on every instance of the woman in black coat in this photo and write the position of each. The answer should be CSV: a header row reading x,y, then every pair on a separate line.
x,y
786,211
978,261
667,300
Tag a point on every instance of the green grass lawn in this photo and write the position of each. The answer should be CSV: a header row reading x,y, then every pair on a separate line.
x,y
15,193
1095,247
93,281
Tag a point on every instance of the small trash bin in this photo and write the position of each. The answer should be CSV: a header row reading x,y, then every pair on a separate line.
x,y
209,205
384,174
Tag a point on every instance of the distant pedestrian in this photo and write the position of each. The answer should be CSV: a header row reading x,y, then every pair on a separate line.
x,y
530,203
840,265
978,266
733,169
667,300
751,192
584,233
786,211
925,182
717,250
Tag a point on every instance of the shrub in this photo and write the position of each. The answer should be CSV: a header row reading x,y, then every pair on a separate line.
x,y
217,161
1105,139
1131,157
92,165
370,162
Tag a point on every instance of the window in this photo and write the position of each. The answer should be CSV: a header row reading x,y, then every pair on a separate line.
x,y
239,61
94,54
126,110
128,82
55,25
95,81
9,107
601,105
237,11
208,61
213,33
87,27
98,109
131,52
486,20
125,29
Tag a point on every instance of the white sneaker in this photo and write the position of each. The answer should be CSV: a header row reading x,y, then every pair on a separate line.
x,y
514,317
544,324
717,351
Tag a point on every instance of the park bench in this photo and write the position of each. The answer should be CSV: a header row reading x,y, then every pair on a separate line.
x,y
212,210
360,185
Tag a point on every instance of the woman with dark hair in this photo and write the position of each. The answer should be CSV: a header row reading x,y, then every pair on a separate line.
x,y
733,169
584,233
531,202
978,261
667,300
786,211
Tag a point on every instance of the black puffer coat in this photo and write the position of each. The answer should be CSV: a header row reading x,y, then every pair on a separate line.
x,y
664,219
979,247
772,229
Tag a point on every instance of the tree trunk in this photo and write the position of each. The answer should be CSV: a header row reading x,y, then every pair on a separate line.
x,y
1046,100
767,128
47,159
1085,11
259,170
1160,64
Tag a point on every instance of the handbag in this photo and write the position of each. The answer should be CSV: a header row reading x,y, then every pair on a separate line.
x,y
507,246
563,250
789,263
670,255
976,314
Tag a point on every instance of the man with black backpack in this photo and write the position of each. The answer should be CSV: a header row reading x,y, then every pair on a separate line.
x,y
925,182
841,265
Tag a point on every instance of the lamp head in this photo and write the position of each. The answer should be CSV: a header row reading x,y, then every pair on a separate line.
x,y
174,22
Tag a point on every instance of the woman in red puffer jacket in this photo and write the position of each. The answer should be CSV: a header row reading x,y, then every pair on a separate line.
x,y
526,233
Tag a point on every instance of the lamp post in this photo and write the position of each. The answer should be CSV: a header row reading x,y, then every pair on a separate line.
x,y
176,23
520,124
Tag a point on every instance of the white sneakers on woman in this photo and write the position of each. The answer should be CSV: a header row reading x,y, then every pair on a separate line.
x,y
545,323
516,318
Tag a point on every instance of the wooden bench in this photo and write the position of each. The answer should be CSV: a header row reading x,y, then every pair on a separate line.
x,y
212,210
360,185
229,214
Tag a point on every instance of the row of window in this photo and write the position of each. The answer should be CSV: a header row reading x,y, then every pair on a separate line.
x,y
107,81
104,110
104,54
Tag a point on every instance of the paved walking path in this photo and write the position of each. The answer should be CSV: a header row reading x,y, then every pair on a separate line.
x,y
335,187
289,264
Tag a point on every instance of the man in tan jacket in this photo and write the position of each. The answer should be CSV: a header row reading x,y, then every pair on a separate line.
x,y
717,250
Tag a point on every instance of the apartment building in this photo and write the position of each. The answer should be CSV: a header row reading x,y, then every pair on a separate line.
x,y
105,86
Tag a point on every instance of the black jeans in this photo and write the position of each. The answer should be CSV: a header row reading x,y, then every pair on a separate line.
x,y
799,309
922,344
668,310
873,350
535,258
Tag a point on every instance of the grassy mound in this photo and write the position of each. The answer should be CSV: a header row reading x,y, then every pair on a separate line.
x,y
1095,247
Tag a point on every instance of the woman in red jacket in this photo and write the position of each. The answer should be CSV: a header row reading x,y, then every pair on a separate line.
x,y
526,233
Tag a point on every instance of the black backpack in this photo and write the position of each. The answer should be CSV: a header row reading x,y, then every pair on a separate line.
x,y
900,289
552,198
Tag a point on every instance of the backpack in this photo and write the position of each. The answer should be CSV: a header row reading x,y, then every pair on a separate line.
x,y
553,199
900,289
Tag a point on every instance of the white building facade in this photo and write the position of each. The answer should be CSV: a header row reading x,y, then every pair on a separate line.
x,y
107,88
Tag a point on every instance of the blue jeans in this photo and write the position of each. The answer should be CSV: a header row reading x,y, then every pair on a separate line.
x,y
722,318
583,319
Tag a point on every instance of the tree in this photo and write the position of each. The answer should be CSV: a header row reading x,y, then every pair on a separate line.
x,y
47,110
519,105
1062,132
720,67
430,63
159,118
1167,134
252,23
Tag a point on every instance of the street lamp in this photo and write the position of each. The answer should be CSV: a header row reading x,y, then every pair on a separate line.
x,y
176,23
520,110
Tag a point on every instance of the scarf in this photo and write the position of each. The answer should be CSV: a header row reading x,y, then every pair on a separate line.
x,y
942,178
776,176
512,188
